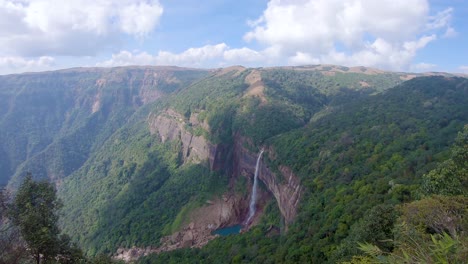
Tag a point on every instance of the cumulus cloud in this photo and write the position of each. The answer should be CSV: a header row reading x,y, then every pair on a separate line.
x,y
386,33
126,58
192,56
72,27
13,64
243,55
206,56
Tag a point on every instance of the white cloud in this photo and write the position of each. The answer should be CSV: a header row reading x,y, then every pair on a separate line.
x,y
243,55
440,20
13,64
193,56
72,27
463,68
206,56
302,58
422,67
450,32
140,19
386,33
126,58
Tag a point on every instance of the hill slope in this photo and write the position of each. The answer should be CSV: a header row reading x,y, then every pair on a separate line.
x,y
140,154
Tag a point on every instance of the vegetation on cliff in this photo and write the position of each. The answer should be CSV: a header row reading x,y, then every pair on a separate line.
x,y
357,163
367,148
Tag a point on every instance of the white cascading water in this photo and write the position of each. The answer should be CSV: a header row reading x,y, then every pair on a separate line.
x,y
253,199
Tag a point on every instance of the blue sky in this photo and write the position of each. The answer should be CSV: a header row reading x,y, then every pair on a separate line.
x,y
400,35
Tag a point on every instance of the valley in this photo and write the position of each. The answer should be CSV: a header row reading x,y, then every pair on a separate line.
x,y
150,161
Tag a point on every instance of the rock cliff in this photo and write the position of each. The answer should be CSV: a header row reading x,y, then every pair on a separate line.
x,y
285,187
231,209
171,125
236,159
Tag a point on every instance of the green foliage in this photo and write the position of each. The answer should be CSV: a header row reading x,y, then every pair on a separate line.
x,y
369,152
50,123
358,147
135,184
355,163
431,230
35,212
181,217
437,214
451,176
259,245
262,122
360,260
294,83
374,228
12,246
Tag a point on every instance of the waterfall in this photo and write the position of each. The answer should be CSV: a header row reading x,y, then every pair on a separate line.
x,y
253,199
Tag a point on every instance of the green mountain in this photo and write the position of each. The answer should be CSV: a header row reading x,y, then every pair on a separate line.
x,y
153,159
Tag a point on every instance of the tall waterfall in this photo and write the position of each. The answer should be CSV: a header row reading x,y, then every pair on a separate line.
x,y
253,199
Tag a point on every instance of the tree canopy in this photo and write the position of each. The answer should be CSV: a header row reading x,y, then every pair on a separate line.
x,y
35,212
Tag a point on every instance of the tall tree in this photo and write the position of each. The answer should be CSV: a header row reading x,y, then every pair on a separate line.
x,y
35,213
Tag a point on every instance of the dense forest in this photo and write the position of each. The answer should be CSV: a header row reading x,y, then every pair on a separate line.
x,y
376,160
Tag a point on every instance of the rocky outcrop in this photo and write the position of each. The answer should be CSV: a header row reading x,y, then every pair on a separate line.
x,y
171,125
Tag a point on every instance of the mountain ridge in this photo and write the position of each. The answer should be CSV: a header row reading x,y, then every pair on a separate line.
x,y
129,138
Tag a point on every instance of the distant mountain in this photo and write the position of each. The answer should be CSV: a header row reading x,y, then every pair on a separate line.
x,y
50,122
152,159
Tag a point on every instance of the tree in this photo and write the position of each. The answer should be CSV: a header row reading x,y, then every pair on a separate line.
x,y
431,230
35,213
12,246
451,176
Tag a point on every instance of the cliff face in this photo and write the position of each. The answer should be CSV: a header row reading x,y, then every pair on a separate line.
x,y
285,187
235,159
170,125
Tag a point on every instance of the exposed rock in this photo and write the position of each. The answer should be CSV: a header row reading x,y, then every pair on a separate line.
x,y
230,208
198,232
286,188
170,125
187,239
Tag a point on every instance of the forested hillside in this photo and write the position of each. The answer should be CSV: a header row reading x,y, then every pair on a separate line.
x,y
156,159
357,162
51,122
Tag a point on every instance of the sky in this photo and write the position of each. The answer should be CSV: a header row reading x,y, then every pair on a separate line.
x,y
397,35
